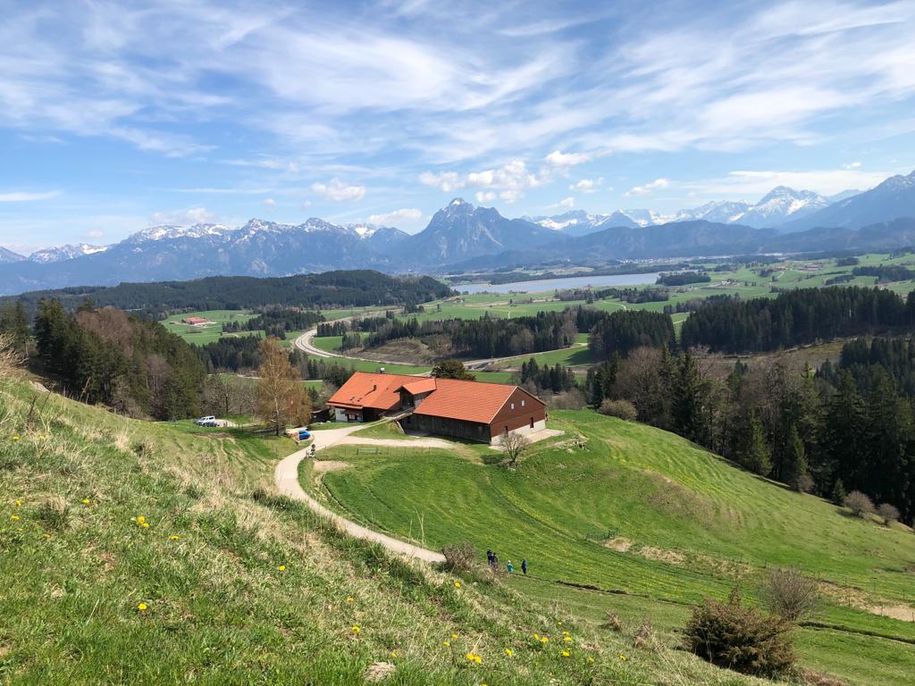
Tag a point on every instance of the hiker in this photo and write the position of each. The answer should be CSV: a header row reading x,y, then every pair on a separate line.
x,y
524,567
495,560
510,567
489,557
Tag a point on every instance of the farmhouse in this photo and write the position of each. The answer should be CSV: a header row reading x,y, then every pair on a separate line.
x,y
446,407
195,321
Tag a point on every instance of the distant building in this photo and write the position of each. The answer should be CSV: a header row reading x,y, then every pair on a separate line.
x,y
469,410
195,321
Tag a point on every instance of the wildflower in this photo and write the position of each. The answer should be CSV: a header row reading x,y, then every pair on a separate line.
x,y
566,653
15,518
567,639
18,502
454,637
174,537
394,654
282,568
544,639
141,522
474,658
15,438
590,660
509,652
536,637
349,599
565,633
446,643
142,607
623,657
457,584
85,502
356,629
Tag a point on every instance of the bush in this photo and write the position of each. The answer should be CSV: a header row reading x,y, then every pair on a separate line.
x,y
789,594
740,638
460,557
623,409
54,513
888,513
859,504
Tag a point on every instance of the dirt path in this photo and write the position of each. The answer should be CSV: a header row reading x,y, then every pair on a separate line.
x,y
286,477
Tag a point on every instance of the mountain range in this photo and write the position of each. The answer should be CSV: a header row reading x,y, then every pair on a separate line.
x,y
463,237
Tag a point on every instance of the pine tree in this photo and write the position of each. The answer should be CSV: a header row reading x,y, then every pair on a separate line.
x,y
794,470
757,458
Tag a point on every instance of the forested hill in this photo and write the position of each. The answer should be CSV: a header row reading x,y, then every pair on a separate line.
x,y
330,289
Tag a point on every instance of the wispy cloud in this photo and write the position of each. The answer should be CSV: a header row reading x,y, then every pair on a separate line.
x,y
407,215
648,188
338,191
21,196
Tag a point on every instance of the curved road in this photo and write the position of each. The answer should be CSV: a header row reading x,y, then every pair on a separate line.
x,y
286,477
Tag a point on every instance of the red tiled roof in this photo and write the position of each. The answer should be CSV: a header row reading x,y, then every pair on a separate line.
x,y
376,391
418,386
469,401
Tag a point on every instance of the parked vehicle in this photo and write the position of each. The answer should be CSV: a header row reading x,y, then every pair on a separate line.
x,y
206,421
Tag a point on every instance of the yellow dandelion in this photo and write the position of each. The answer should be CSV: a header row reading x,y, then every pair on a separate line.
x,y
544,639
145,525
174,537
623,657
349,599
509,652
356,630
18,502
85,502
536,637
474,658
142,607
567,639
454,637
446,643
394,654
565,633
15,438
590,660
566,653
15,518
282,568
457,584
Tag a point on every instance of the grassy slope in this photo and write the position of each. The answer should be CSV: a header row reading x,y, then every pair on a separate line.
x,y
696,525
218,607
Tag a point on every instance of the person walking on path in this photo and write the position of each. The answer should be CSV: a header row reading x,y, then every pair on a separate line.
x,y
510,567
524,567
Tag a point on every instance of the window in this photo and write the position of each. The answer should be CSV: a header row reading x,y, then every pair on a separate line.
x,y
522,403
513,406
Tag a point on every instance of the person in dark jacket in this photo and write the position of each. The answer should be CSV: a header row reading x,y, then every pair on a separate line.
x,y
489,557
524,567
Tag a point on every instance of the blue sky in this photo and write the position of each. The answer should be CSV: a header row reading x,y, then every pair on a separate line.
x,y
117,116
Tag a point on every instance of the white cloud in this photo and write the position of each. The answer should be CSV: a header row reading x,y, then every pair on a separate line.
x,y
19,196
445,181
754,184
485,196
306,204
646,189
95,234
852,165
567,203
269,202
338,191
563,159
407,215
193,215
508,182
587,185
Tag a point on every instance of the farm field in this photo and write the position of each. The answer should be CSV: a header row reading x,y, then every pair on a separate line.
x,y
201,335
645,523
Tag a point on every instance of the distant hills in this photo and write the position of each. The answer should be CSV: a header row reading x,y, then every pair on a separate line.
x,y
462,237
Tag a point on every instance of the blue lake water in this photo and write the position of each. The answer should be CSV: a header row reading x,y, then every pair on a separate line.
x,y
560,283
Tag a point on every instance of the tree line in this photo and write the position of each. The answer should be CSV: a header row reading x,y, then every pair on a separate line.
x,y
276,322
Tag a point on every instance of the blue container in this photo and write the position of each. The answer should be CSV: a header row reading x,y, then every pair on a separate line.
x,y
304,435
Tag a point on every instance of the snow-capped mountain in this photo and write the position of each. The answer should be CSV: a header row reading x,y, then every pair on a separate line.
x,y
892,199
783,204
720,211
10,257
567,220
644,217
171,232
65,252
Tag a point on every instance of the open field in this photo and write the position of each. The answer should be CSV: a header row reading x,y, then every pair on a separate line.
x,y
644,523
156,553
201,335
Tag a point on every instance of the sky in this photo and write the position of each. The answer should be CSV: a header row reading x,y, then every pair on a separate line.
x,y
117,116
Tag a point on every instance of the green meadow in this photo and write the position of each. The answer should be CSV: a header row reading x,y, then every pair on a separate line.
x,y
621,517
140,553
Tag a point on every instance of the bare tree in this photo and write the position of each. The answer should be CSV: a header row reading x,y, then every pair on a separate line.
x,y
11,360
514,445
888,513
789,594
281,397
859,504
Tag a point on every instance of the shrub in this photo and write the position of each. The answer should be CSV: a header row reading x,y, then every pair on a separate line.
x,y
54,514
859,504
888,513
614,623
460,557
740,638
623,409
789,594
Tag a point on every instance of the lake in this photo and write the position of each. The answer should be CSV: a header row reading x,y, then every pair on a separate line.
x,y
560,283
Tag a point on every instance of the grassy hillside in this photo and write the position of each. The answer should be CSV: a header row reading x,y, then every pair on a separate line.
x,y
155,553
644,523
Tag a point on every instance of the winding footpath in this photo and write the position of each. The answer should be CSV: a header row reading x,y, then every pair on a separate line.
x,y
286,478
